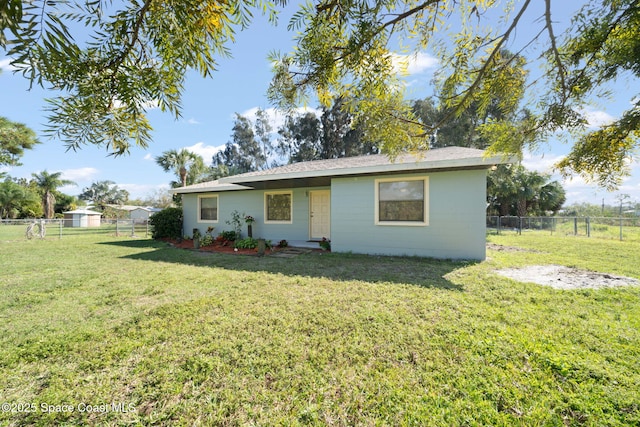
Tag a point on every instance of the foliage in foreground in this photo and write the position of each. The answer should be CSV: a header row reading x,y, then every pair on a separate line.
x,y
184,338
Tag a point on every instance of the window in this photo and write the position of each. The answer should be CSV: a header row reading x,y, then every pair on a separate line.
x,y
402,201
208,208
277,207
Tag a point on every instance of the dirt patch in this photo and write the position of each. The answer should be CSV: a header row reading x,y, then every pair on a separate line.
x,y
502,248
561,277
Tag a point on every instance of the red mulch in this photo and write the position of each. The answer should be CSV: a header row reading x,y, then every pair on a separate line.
x,y
216,247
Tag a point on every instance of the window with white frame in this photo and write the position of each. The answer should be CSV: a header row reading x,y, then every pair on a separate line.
x,y
402,201
278,207
208,208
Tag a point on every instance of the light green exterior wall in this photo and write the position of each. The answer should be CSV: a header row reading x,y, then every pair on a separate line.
x,y
457,214
456,222
251,202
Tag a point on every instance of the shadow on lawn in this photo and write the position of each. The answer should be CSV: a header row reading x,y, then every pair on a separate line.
x,y
422,272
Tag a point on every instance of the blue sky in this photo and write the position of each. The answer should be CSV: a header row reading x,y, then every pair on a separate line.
x,y
239,86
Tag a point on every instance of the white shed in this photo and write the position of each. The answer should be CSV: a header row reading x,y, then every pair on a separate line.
x,y
82,218
136,213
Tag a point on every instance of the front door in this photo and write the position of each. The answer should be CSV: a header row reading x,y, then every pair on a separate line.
x,y
320,214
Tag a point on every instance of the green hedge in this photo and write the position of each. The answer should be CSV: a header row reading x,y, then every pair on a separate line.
x,y
167,223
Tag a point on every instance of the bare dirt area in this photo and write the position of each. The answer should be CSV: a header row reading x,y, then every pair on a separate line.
x,y
503,248
561,277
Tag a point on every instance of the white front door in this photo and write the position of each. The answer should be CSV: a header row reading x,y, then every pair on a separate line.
x,y
320,214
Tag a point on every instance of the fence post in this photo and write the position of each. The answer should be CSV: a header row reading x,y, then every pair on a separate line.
x,y
575,226
133,228
588,222
498,228
519,225
60,229
621,228
117,229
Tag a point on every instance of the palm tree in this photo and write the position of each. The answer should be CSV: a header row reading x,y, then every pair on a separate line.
x,y
48,183
501,190
11,197
552,197
182,162
528,184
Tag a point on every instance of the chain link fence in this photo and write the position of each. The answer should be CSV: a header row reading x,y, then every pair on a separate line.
x,y
622,228
22,229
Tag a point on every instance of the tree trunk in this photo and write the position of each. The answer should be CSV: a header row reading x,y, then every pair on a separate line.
x,y
183,176
522,207
48,204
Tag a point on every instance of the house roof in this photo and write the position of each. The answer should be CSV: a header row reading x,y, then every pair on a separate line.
x,y
83,211
216,185
130,208
320,172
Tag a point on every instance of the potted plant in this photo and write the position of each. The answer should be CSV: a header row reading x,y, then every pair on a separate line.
x,y
325,244
196,238
249,220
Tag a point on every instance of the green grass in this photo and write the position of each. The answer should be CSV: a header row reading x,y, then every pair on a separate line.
x,y
321,339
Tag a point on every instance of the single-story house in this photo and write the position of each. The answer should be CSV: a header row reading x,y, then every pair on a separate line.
x,y
430,204
137,213
82,218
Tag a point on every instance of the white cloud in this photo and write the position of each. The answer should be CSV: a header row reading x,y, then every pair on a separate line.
x,y
148,156
576,182
596,119
413,64
206,151
193,121
5,65
80,174
540,163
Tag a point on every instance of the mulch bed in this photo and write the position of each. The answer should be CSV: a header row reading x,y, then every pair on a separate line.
x,y
229,249
216,247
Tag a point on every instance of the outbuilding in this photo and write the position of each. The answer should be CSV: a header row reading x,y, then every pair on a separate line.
x,y
82,218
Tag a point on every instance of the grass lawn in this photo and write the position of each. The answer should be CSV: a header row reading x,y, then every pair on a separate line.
x,y
98,330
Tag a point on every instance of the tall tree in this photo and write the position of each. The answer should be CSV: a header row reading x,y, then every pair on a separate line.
x,y
514,190
552,198
65,202
528,187
18,201
341,135
300,138
103,193
333,135
187,165
48,184
343,48
245,152
501,190
262,129
473,126
14,139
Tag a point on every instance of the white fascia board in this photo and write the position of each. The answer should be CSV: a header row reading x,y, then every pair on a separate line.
x,y
208,189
